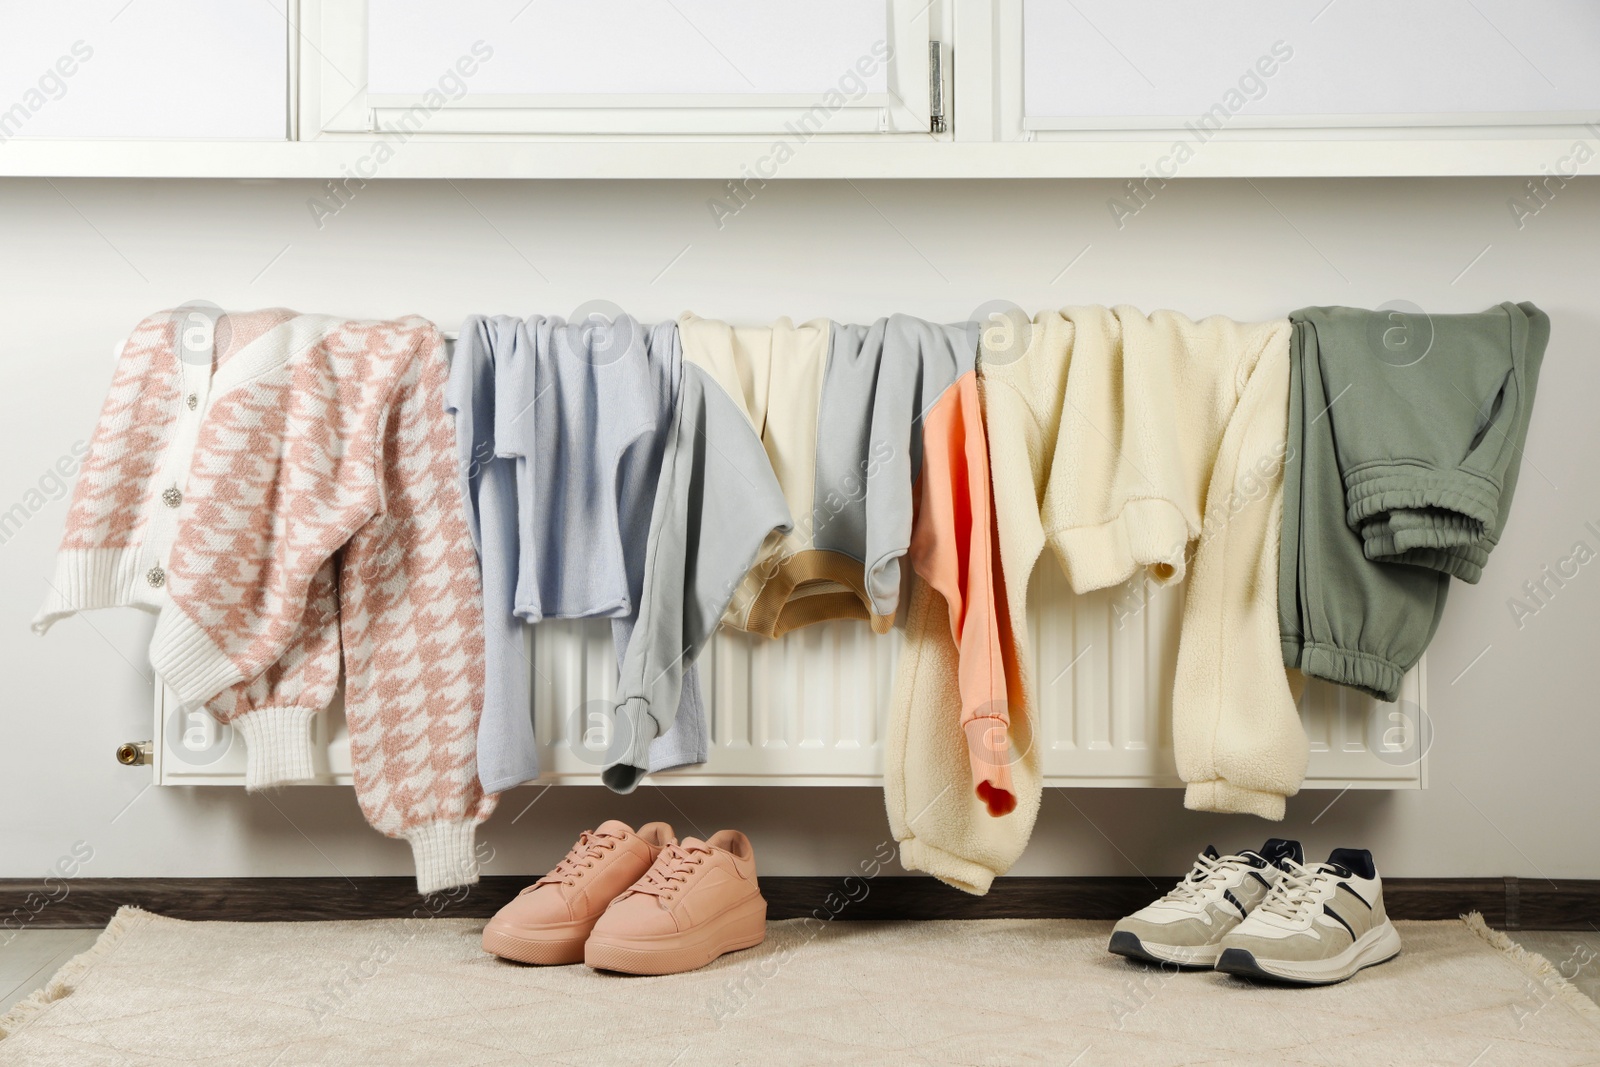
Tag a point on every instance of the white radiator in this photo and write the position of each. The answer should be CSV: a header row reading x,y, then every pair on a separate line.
x,y
810,709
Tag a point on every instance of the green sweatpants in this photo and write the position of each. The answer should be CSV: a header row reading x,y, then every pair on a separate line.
x,y
1406,435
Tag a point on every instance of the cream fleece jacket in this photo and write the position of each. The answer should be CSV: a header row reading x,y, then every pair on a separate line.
x,y
1165,433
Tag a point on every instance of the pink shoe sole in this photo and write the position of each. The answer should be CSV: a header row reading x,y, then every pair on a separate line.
x,y
743,927
563,945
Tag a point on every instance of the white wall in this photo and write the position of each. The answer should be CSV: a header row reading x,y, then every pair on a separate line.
x,y
1513,765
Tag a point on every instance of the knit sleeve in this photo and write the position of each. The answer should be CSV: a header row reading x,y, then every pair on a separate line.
x,y
412,629
508,752
274,711
952,549
99,563
1236,734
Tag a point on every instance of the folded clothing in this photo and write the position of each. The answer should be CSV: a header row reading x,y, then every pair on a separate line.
x,y
1429,414
1400,476
560,430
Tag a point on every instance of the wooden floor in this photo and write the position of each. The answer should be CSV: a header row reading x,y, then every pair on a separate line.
x,y
32,956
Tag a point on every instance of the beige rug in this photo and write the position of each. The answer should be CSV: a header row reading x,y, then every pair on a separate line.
x,y
161,991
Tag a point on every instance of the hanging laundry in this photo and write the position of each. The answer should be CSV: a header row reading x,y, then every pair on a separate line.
x,y
851,487
1401,476
961,779
124,516
318,445
778,373
561,429
1119,440
741,448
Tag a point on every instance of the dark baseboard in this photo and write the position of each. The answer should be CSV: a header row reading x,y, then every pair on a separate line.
x,y
1506,903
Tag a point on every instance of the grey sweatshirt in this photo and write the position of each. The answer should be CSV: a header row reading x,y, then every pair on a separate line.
x,y
561,430
786,495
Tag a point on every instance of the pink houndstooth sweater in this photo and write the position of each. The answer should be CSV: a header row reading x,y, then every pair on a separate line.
x,y
293,501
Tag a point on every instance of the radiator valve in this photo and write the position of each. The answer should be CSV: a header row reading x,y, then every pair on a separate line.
x,y
136,753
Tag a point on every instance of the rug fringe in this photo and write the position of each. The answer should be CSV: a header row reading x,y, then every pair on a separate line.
x,y
66,979
1535,966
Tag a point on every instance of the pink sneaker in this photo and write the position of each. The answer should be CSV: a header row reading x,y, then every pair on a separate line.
x,y
549,921
699,900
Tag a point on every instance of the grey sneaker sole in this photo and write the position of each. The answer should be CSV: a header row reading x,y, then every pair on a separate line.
x,y
1378,945
1127,943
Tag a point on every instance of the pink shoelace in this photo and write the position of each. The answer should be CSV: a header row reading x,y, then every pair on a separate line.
x,y
581,857
671,871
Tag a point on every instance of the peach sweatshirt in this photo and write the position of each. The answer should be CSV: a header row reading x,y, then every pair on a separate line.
x,y
960,776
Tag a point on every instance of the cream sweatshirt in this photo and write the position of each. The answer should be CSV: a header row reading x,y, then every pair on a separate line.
x,y
1121,440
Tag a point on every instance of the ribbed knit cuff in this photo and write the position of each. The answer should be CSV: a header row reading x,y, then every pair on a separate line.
x,y
87,578
444,854
277,746
1224,796
188,660
949,868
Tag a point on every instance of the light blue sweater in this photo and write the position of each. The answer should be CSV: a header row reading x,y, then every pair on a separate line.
x,y
561,430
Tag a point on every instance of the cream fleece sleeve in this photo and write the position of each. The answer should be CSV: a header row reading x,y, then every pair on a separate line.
x,y
939,821
1236,734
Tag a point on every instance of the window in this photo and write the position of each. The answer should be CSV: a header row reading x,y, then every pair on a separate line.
x,y
627,67
1098,64
175,69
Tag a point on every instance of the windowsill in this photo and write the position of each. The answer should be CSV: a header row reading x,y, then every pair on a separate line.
x,y
1533,152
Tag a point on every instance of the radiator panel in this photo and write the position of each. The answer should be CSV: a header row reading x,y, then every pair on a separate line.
x,y
811,708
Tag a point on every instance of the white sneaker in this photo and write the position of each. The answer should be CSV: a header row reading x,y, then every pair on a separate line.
x,y
1319,925
1186,927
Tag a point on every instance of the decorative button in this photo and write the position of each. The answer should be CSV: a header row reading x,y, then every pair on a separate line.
x,y
193,400
156,577
171,497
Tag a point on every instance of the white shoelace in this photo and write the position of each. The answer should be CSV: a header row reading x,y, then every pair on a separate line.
x,y
1297,890
1205,870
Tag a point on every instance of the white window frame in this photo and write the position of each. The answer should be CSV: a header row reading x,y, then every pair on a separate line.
x,y
1004,93
334,102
